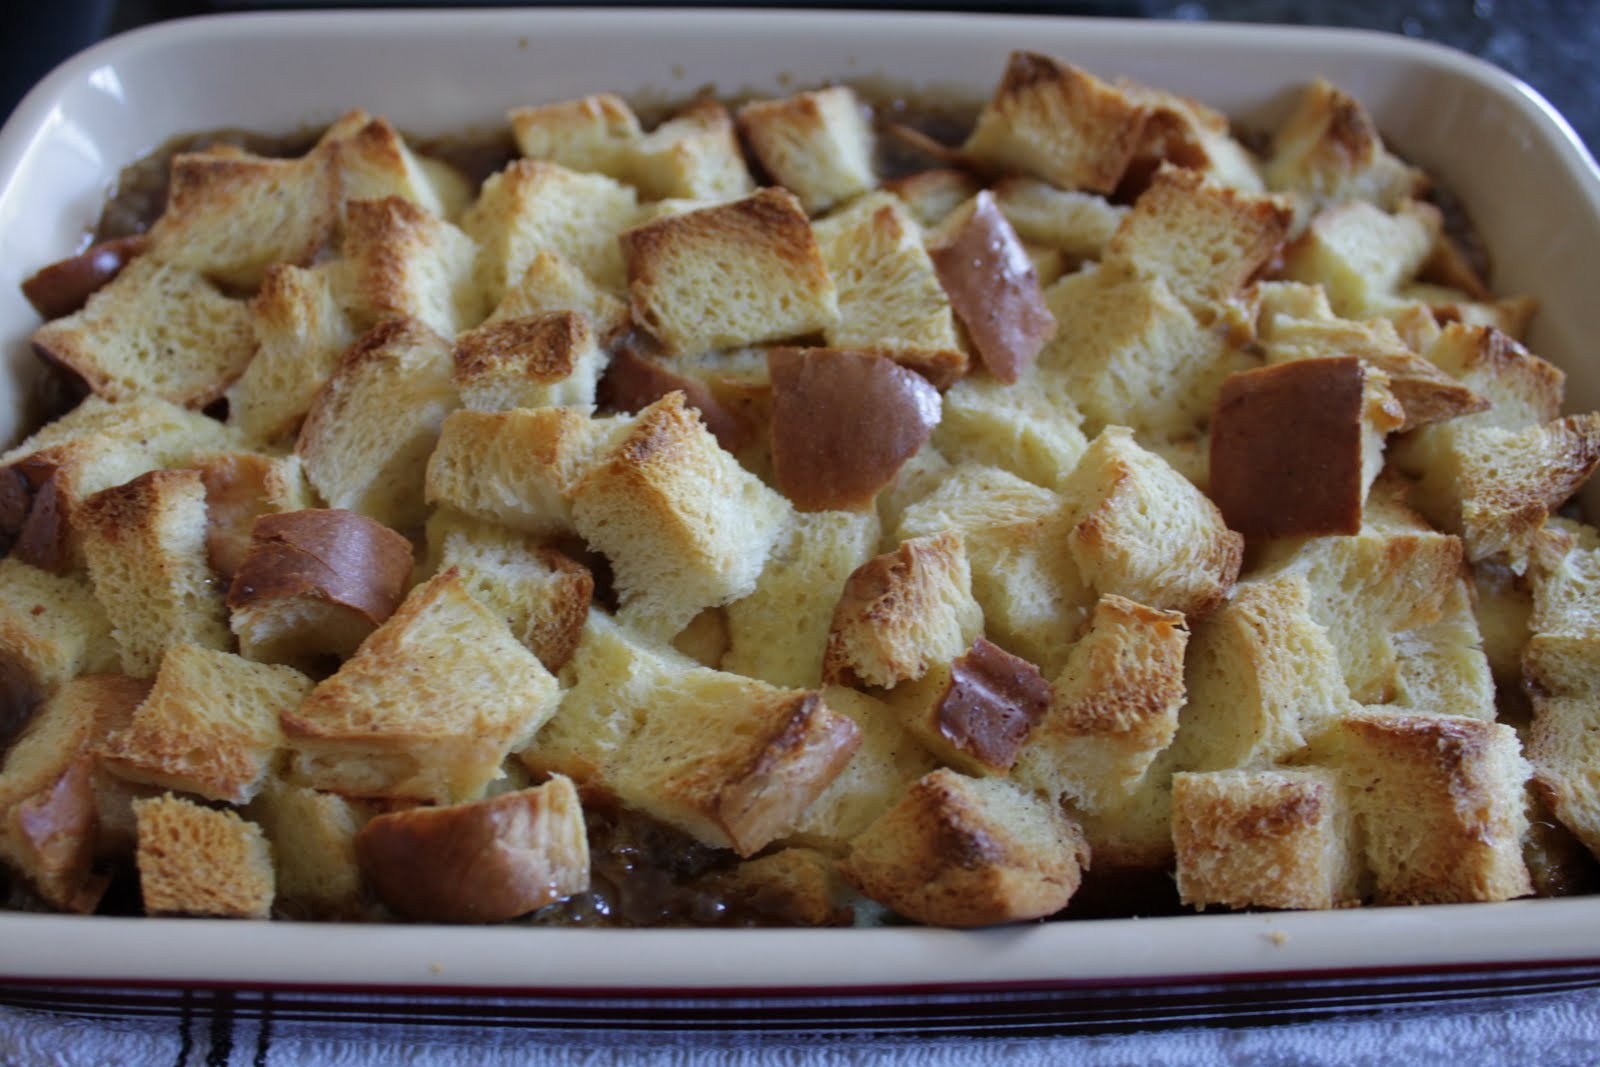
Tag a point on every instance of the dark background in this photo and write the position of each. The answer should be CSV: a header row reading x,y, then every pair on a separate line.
x,y
1551,45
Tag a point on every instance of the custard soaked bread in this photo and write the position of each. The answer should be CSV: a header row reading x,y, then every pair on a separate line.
x,y
709,516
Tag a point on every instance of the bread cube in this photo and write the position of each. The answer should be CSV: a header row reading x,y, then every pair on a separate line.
x,y
1054,121
883,767
1132,836
231,216
366,441
1132,355
694,155
195,860
241,487
778,631
1183,132
542,593
1114,707
1296,446
1143,531
1265,839
518,468
930,195
1033,598
959,851
817,144
731,760
427,708
902,612
889,295
373,162
597,133
52,629
1523,389
313,849
1441,668
209,725
791,887
1440,803
684,526
542,361
735,274
531,207
1264,681
524,849
404,262
145,543
1330,150
48,823
976,712
314,584
1031,429
1078,224
300,329
159,329
1361,253
1203,240
554,283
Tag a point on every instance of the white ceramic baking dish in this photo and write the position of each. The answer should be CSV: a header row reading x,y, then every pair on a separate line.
x,y
1532,189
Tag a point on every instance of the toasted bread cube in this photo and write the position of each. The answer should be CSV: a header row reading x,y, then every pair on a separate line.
x,y
554,283
533,206
1078,224
427,708
885,765
518,468
542,593
314,584
1440,803
597,133
48,822
230,217
241,487
965,852
1296,446
209,725
1503,605
695,155
889,296
735,274
976,712
1054,121
1523,389
1563,733
930,195
158,329
684,526
313,849
1264,681
1134,835
1143,531
730,760
1185,133
522,851
195,860
145,542
791,887
1205,241
1033,598
543,361
817,144
366,441
1132,355
778,631
1114,707
404,262
1031,429
373,162
1361,254
52,629
64,286
1366,589
993,290
1330,149
902,612
1265,839
300,330
1442,667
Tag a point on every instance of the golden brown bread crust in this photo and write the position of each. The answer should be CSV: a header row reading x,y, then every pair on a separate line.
x,y
1286,456
64,287
341,557
483,861
541,347
843,424
993,290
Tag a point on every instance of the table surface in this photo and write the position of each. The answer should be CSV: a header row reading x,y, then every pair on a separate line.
x,y
1549,44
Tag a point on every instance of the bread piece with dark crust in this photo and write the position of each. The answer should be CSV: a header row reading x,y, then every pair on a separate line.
x,y
977,712
817,143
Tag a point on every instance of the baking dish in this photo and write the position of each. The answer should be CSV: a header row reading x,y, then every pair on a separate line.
x,y
1526,181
